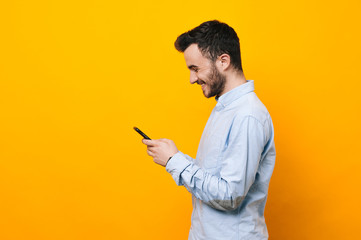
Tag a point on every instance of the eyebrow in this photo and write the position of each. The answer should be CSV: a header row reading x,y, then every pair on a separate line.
x,y
192,66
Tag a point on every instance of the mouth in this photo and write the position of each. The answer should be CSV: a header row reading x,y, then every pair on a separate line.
x,y
202,83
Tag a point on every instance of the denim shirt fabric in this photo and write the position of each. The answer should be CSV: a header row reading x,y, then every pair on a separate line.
x,y
230,176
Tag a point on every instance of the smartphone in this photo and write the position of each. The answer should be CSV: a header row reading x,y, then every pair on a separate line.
x,y
141,133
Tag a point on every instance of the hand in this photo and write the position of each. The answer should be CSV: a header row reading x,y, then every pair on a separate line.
x,y
161,150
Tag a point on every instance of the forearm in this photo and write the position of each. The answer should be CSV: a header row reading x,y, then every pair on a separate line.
x,y
237,167
212,190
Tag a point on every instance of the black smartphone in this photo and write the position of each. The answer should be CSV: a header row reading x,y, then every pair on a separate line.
x,y
141,133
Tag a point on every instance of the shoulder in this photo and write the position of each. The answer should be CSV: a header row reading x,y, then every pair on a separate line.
x,y
250,108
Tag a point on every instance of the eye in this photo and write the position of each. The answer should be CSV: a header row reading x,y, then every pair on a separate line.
x,y
194,68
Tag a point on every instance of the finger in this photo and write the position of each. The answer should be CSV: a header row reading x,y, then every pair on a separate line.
x,y
148,142
150,148
150,153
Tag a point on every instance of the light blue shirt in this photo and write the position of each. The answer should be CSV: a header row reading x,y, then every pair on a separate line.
x,y
230,176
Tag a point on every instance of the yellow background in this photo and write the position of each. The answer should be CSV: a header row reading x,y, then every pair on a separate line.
x,y
76,76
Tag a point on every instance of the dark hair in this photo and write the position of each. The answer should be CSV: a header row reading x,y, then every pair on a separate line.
x,y
213,38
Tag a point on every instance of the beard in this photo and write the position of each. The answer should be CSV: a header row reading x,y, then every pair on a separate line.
x,y
216,83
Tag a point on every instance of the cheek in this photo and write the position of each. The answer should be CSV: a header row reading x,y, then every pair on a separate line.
x,y
204,77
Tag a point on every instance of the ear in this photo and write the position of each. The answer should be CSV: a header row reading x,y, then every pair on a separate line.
x,y
224,62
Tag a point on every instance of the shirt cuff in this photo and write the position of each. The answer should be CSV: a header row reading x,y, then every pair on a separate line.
x,y
176,166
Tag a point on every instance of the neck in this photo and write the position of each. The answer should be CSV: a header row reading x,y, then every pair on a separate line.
x,y
234,80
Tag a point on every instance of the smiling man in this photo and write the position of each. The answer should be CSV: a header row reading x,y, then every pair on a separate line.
x,y
204,72
230,175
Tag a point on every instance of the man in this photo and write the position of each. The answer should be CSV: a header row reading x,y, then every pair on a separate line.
x,y
229,178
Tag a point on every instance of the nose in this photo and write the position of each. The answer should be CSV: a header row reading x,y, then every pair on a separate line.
x,y
193,77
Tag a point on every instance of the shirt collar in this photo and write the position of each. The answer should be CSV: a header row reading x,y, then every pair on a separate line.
x,y
237,92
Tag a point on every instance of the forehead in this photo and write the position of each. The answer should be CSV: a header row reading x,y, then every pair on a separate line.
x,y
193,56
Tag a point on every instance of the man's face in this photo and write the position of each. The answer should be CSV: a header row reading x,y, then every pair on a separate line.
x,y
204,72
